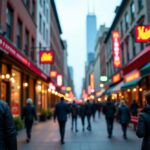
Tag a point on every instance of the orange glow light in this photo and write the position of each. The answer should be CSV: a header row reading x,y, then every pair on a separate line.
x,y
132,76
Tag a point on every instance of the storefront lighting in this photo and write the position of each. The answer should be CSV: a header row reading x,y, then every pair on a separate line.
x,y
120,94
7,76
53,92
25,84
18,87
128,90
3,76
134,90
49,90
66,94
99,100
12,80
140,89
39,87
13,74
101,85
56,93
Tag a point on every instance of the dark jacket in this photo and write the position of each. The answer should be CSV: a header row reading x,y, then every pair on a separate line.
x,y
134,108
82,111
74,110
88,109
124,114
61,111
29,113
7,129
109,110
143,128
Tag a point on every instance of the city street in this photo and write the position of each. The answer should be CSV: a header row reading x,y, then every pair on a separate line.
x,y
46,137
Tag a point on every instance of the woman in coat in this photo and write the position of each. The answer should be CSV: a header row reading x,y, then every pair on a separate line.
x,y
143,127
124,117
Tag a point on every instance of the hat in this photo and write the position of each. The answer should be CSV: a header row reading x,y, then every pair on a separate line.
x,y
29,101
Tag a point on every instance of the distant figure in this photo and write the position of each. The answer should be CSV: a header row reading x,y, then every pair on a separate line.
x,y
98,108
134,108
8,139
28,115
61,111
143,127
88,112
74,115
109,112
94,107
82,115
124,117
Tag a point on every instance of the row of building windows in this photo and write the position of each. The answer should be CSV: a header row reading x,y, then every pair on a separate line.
x,y
43,4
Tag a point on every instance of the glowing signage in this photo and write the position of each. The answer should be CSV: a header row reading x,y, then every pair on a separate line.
x,y
53,73
116,49
132,76
46,57
59,80
103,78
142,33
116,78
92,82
68,88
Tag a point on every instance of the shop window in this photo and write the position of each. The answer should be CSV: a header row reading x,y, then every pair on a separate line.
x,y
26,49
19,34
9,22
15,93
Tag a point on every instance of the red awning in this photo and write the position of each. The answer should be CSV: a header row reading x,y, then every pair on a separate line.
x,y
139,61
8,48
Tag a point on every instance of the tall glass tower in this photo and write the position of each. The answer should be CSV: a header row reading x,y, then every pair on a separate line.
x,y
90,35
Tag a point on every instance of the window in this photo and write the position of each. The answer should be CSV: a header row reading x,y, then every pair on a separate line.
x,y
122,55
47,14
9,22
133,44
47,35
44,7
27,3
140,5
121,29
126,20
43,30
41,2
40,23
32,50
26,50
127,49
19,34
33,9
132,11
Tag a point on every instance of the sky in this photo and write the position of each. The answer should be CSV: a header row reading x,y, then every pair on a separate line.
x,y
72,17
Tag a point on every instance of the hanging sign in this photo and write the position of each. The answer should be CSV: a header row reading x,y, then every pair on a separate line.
x,y
59,80
46,57
53,73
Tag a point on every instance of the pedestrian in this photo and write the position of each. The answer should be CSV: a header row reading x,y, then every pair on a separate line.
x,y
61,111
82,115
8,139
74,116
124,117
98,107
94,107
88,112
134,108
109,112
28,115
143,127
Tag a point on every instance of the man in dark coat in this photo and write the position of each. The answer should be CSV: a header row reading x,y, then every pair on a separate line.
x,y
124,117
28,115
74,115
143,127
134,108
8,139
109,112
61,111
82,115
94,107
88,112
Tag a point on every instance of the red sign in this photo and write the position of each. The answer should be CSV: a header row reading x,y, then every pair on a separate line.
x,y
132,76
59,80
11,50
116,49
53,73
15,109
142,33
46,57
116,78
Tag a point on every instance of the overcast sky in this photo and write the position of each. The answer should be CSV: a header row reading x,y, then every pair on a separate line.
x,y
72,17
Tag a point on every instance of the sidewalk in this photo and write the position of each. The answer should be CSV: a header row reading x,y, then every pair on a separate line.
x,y
46,137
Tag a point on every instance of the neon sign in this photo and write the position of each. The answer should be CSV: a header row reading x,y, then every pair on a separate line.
x,y
46,57
132,76
59,80
142,33
53,73
116,78
116,49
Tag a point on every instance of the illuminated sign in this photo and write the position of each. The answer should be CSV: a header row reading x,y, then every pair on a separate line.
x,y
142,33
116,49
59,80
53,73
68,89
46,57
92,82
132,76
103,78
116,78
52,86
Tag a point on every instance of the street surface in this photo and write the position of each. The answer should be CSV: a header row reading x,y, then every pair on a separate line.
x,y
46,137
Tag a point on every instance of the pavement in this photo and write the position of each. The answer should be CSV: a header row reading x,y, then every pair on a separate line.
x,y
45,136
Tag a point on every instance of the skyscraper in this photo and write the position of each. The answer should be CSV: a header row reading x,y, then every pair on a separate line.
x,y
90,35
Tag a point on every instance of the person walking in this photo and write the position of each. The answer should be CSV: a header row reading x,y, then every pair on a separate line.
x,y
28,115
143,127
134,108
88,112
61,111
82,115
8,133
109,112
94,107
74,115
124,117
98,108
